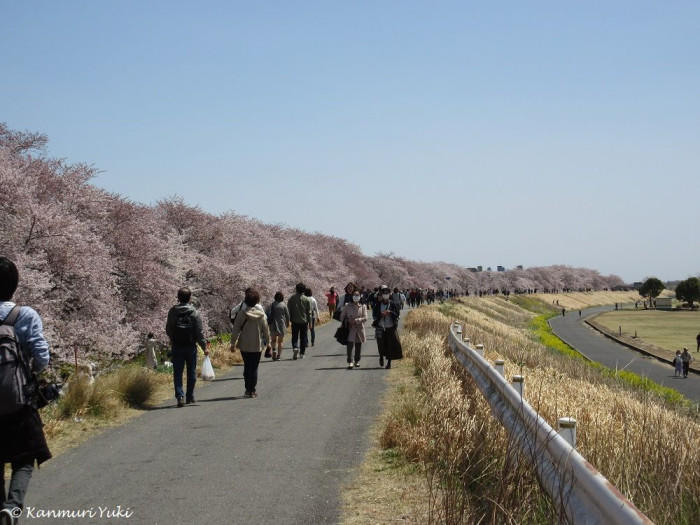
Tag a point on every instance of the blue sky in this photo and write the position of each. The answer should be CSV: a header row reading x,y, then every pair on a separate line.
x,y
505,133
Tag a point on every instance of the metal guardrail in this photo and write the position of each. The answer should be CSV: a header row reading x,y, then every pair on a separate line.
x,y
578,490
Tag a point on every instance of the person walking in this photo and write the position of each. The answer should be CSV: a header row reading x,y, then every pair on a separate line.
x,y
396,299
686,358
278,321
300,314
678,364
332,301
184,328
251,332
151,345
23,348
314,314
347,298
386,322
355,315
697,339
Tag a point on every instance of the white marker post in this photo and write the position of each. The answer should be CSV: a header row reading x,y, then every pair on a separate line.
x,y
519,385
500,367
567,430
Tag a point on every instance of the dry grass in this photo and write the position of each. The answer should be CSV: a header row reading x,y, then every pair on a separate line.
x,y
221,356
580,300
648,450
387,487
134,385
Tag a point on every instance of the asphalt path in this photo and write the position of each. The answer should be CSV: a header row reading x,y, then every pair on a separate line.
x,y
280,458
599,348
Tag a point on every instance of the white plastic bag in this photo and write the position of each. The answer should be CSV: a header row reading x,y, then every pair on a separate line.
x,y
207,369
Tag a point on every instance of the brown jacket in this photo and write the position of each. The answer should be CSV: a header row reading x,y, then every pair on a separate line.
x,y
356,315
250,331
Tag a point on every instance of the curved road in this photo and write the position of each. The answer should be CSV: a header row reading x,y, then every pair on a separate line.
x,y
599,348
280,458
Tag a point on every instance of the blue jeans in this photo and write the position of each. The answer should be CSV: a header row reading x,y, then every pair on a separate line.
x,y
21,474
300,332
180,360
313,331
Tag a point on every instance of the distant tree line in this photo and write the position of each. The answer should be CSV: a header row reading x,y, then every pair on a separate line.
x,y
103,270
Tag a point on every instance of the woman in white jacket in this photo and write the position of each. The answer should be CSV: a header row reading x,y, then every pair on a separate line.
x,y
251,332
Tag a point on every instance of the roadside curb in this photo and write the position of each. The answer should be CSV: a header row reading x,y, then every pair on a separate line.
x,y
604,332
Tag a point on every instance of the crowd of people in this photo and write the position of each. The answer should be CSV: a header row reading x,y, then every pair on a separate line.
x,y
256,331
259,331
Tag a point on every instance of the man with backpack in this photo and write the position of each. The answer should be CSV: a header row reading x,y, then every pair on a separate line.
x,y
23,352
184,328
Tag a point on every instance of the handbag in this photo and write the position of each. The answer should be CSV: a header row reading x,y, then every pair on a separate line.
x,y
338,310
393,345
341,334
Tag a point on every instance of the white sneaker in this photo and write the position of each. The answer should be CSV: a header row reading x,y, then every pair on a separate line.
x,y
357,365
349,366
296,354
301,356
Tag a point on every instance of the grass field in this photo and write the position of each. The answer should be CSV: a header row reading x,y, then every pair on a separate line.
x,y
670,331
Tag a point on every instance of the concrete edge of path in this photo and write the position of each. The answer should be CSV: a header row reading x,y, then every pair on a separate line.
x,y
607,334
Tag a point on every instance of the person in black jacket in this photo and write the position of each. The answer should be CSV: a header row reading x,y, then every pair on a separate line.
x,y
184,328
386,321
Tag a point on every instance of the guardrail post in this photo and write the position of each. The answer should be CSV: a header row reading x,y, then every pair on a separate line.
x,y
519,385
500,367
567,430
458,331
480,350
467,341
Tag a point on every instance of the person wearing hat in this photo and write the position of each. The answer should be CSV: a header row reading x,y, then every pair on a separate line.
x,y
386,321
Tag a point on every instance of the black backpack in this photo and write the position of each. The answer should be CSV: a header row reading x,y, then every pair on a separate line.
x,y
184,328
15,378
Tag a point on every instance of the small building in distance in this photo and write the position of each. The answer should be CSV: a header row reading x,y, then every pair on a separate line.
x,y
500,268
664,303
519,267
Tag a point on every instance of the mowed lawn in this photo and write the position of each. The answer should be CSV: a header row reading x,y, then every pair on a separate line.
x,y
668,330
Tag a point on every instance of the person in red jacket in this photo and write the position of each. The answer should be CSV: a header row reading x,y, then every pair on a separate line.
x,y
332,298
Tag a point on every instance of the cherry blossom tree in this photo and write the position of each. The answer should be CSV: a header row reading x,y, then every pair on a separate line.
x,y
103,271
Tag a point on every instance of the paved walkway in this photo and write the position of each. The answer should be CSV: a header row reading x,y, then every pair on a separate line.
x,y
599,348
281,458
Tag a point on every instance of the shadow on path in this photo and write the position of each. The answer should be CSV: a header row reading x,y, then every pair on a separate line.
x,y
215,399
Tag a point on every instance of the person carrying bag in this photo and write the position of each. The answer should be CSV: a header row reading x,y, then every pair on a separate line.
x,y
386,322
